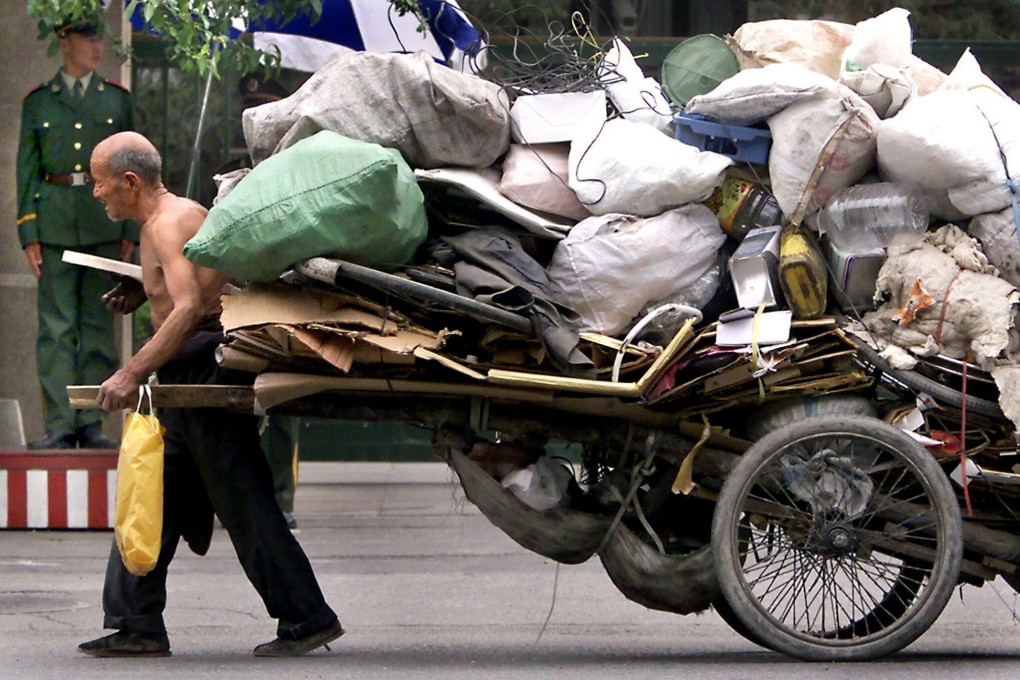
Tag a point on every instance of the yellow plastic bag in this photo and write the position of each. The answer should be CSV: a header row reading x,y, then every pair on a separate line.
x,y
138,517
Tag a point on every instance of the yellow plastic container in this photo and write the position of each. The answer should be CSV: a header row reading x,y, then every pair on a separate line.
x,y
802,273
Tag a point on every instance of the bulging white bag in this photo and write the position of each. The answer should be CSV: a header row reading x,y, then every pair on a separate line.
x,y
632,168
876,65
535,176
884,39
639,99
610,266
435,116
835,135
754,94
816,44
998,237
954,139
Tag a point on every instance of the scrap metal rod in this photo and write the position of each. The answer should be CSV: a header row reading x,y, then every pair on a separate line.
x,y
327,271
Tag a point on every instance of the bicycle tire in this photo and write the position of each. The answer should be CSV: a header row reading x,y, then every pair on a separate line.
x,y
793,553
919,383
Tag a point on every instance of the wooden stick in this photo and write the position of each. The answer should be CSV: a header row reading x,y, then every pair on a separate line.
x,y
232,397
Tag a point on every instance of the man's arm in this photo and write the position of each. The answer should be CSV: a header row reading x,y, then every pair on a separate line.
x,y
183,288
28,177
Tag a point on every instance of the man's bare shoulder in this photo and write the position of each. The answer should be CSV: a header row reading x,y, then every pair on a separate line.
x,y
177,214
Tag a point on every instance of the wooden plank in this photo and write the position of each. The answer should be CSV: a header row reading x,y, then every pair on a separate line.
x,y
557,383
232,397
273,389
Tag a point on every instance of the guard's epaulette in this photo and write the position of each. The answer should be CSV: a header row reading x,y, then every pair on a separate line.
x,y
34,90
118,85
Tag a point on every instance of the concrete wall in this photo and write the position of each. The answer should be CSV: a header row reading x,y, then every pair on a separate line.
x,y
23,67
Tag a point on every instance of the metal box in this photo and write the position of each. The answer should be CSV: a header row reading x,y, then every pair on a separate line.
x,y
855,274
754,268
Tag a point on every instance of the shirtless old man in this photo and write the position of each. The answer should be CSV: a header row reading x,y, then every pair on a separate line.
x,y
212,457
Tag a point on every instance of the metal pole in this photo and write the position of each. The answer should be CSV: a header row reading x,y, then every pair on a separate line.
x,y
192,170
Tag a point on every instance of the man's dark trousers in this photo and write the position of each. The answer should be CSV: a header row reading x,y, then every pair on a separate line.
x,y
216,452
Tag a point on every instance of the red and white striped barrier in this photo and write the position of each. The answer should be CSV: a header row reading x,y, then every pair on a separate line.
x,y
57,490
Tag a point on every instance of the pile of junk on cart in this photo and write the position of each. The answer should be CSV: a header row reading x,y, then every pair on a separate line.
x,y
770,299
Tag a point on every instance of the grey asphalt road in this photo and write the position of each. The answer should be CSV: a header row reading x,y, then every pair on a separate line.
x,y
427,588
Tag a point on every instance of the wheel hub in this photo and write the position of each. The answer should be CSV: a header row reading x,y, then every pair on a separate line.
x,y
839,540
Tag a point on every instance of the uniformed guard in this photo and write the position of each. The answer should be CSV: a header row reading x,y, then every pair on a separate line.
x,y
61,122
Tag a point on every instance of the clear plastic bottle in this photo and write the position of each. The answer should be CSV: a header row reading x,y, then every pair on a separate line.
x,y
869,216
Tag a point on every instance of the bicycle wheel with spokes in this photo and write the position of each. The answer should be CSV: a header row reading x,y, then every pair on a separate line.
x,y
855,539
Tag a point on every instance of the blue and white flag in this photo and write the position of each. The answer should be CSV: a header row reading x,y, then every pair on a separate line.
x,y
358,25
374,25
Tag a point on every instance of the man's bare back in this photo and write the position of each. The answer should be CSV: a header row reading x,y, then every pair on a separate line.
x,y
163,237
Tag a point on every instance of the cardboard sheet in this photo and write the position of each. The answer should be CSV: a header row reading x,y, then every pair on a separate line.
x,y
277,304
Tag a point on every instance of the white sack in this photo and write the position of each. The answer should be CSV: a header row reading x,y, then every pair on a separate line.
x,y
876,65
944,141
816,44
997,234
980,308
535,176
800,135
754,94
226,182
625,167
433,115
884,39
886,89
610,266
639,99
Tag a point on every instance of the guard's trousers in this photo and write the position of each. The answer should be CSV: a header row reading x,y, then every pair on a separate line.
x,y
75,344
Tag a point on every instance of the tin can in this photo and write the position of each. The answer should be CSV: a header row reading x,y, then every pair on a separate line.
x,y
741,206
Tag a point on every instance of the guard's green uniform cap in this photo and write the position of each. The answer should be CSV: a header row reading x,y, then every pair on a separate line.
x,y
84,25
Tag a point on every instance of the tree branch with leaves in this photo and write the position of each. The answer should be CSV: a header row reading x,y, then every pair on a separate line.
x,y
198,33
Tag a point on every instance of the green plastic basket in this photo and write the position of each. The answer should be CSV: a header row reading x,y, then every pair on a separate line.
x,y
695,67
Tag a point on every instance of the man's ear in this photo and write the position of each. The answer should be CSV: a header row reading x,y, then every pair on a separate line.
x,y
133,180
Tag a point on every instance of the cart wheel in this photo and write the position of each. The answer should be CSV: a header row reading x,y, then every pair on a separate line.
x,y
855,540
725,611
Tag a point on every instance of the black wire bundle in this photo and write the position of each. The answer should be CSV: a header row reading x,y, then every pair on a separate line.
x,y
524,61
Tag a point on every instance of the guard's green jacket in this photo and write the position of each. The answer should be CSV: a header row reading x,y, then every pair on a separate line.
x,y
58,133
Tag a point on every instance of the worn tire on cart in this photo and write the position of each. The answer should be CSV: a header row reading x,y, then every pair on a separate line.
x,y
916,382
855,543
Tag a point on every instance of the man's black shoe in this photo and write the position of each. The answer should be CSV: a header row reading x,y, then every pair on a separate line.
x,y
121,644
282,647
92,437
54,440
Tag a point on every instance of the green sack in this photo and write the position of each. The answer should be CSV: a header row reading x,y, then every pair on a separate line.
x,y
325,196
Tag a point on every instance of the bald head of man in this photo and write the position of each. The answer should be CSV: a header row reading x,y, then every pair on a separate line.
x,y
126,175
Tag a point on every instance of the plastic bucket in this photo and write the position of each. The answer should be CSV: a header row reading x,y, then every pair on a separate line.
x,y
696,66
